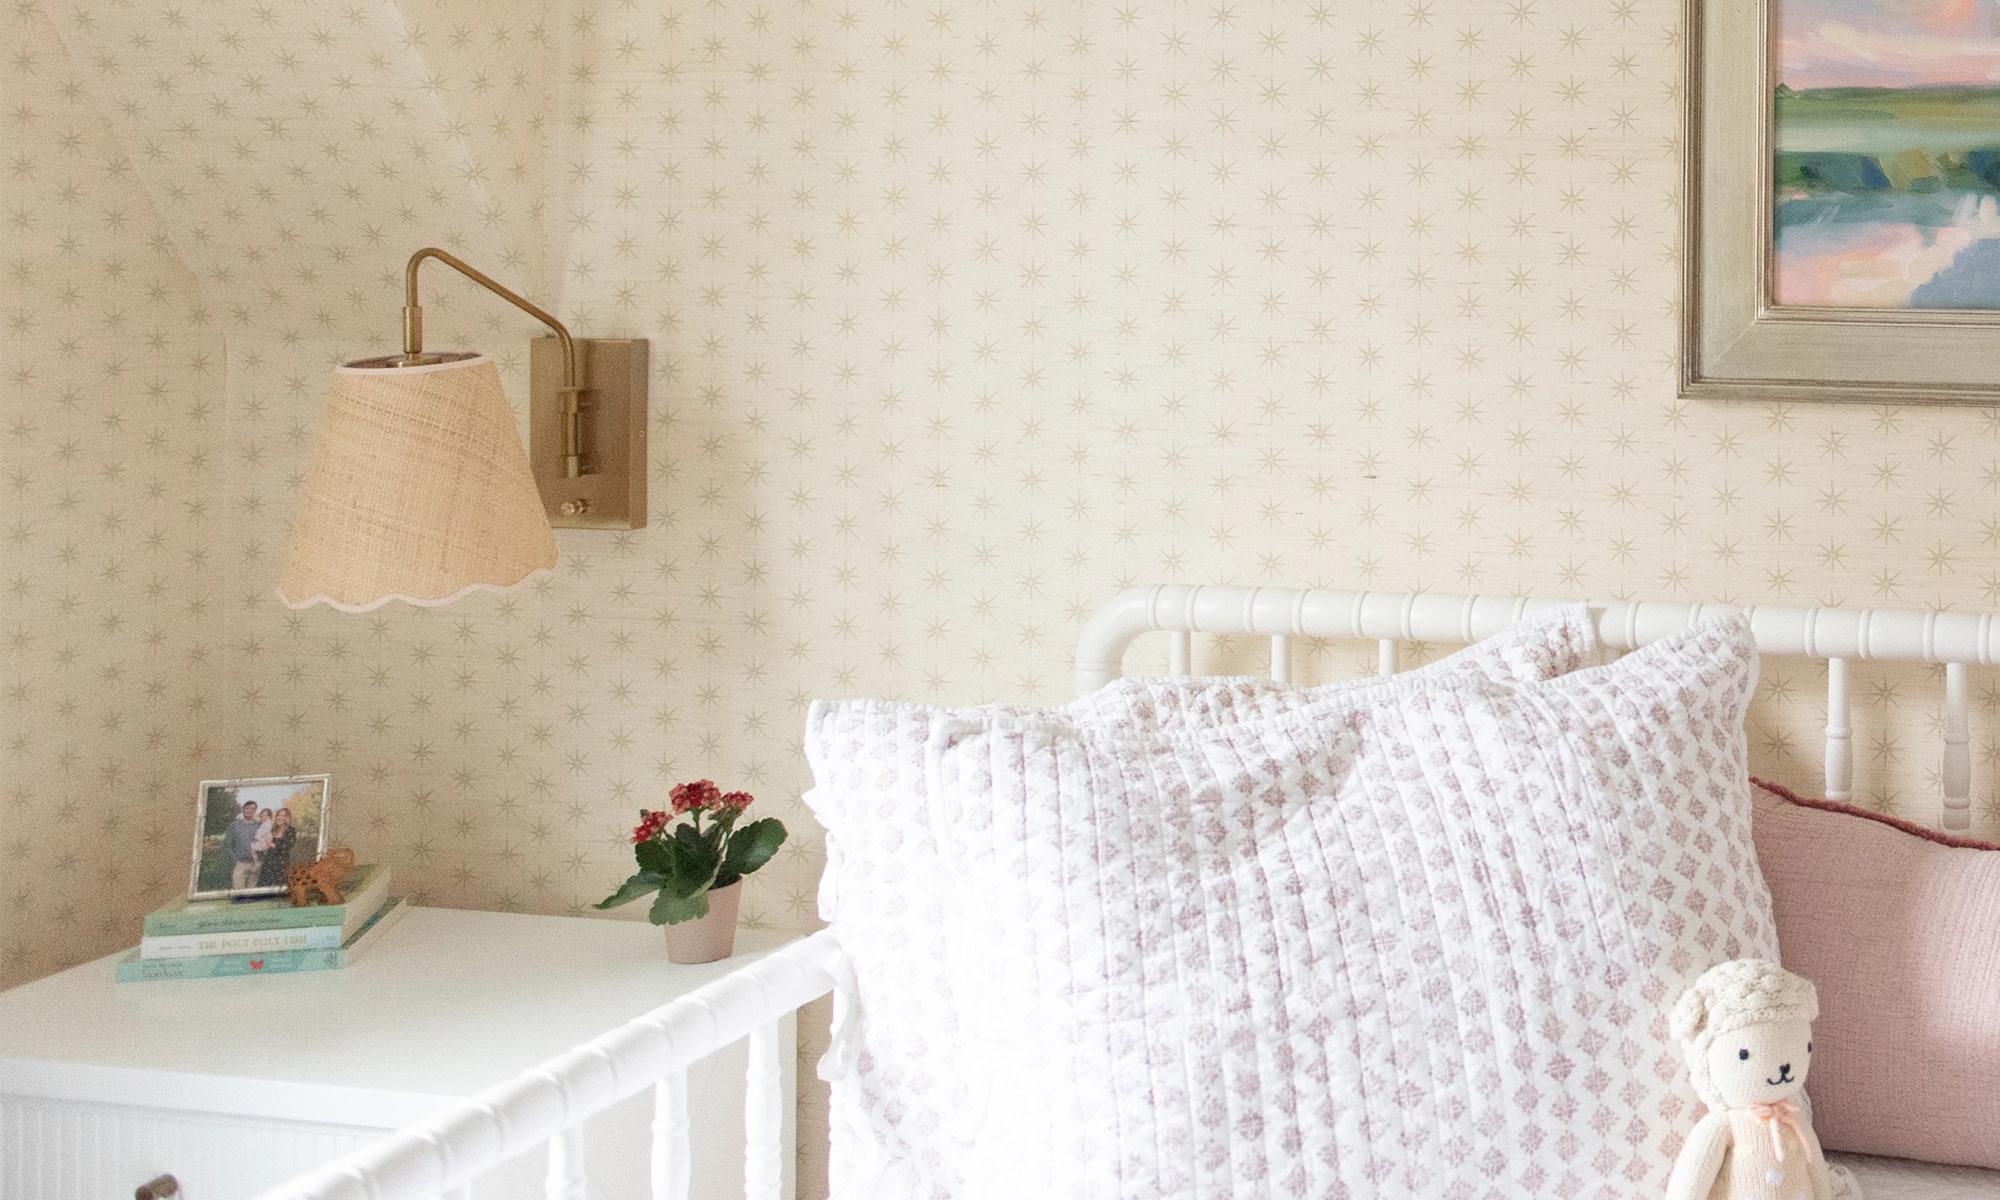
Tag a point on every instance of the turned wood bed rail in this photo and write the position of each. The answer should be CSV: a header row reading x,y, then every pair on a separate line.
x,y
1837,635
549,1105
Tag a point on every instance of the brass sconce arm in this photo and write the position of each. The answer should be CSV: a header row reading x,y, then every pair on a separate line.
x,y
413,342
413,312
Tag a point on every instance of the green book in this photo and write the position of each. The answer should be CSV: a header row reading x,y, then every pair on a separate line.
x,y
133,969
365,889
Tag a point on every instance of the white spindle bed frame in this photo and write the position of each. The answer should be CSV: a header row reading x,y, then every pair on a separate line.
x,y
548,1105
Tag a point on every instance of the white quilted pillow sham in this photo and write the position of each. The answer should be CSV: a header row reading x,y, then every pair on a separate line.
x,y
909,1111
1407,941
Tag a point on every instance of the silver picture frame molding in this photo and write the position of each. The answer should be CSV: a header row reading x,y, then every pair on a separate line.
x,y
194,891
1736,344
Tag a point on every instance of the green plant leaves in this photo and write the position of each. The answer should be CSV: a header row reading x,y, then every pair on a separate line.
x,y
749,848
633,888
669,909
653,858
691,865
690,861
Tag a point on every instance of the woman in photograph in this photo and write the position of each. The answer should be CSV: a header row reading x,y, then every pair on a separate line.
x,y
276,861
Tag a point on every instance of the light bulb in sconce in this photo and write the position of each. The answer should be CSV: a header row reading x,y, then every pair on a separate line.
x,y
418,487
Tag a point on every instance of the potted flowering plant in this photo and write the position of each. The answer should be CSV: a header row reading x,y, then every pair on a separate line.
x,y
692,859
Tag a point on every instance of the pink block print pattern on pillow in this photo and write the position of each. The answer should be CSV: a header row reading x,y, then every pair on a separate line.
x,y
913,1102
1406,943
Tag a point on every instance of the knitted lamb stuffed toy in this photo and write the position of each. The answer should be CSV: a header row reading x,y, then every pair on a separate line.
x,y
1746,1030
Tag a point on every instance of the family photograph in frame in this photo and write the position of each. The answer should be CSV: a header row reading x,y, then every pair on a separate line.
x,y
249,833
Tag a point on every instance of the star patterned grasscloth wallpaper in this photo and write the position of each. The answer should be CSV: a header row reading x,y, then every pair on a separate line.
x,y
964,314
112,527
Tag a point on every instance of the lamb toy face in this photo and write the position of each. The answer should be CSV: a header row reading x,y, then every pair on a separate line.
x,y
1745,1029
1760,1064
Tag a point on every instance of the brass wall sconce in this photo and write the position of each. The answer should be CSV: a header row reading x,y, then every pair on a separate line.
x,y
419,488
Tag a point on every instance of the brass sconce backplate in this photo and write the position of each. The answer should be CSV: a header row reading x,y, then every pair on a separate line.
x,y
610,490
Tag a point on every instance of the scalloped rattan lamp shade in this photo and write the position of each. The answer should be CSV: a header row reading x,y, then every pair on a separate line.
x,y
418,490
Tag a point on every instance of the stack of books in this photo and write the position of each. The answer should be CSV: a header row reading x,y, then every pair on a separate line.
x,y
204,939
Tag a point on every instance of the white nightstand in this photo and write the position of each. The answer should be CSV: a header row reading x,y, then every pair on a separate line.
x,y
234,1085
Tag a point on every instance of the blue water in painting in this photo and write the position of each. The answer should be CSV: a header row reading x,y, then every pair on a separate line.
x,y
1971,281
1851,223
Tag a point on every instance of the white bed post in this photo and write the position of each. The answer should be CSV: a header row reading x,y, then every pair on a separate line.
x,y
1836,636
1957,773
1839,733
567,1180
763,1118
671,1168
1385,657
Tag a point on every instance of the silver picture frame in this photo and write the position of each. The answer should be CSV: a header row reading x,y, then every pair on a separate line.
x,y
1736,342
214,873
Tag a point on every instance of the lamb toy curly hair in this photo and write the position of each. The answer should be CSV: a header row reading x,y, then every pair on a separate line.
x,y
1745,1028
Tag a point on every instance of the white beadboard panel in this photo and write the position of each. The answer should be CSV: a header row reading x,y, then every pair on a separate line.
x,y
69,1150
63,1149
72,1150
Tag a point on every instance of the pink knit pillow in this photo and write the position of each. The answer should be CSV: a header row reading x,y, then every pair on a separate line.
x,y
1899,927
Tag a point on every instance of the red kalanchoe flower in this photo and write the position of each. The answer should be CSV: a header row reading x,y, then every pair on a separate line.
x,y
693,797
650,823
682,858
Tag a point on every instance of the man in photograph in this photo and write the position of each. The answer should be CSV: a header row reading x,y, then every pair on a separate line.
x,y
239,842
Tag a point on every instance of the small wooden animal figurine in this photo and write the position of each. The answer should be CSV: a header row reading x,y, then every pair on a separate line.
x,y
1745,1028
322,877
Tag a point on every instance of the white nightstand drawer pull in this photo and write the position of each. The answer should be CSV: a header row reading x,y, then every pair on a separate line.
x,y
157,1189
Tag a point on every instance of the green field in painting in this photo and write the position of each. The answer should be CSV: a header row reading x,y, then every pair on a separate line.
x,y
1888,120
1888,139
1888,197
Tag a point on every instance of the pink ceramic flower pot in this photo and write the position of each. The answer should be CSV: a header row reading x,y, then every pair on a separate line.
x,y
709,937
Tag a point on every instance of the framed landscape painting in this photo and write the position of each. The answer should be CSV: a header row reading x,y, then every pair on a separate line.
x,y
1843,200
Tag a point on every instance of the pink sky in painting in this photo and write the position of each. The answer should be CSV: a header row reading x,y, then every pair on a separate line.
x,y
1888,43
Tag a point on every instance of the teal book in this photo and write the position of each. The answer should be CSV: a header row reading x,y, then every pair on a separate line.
x,y
365,889
134,969
246,941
